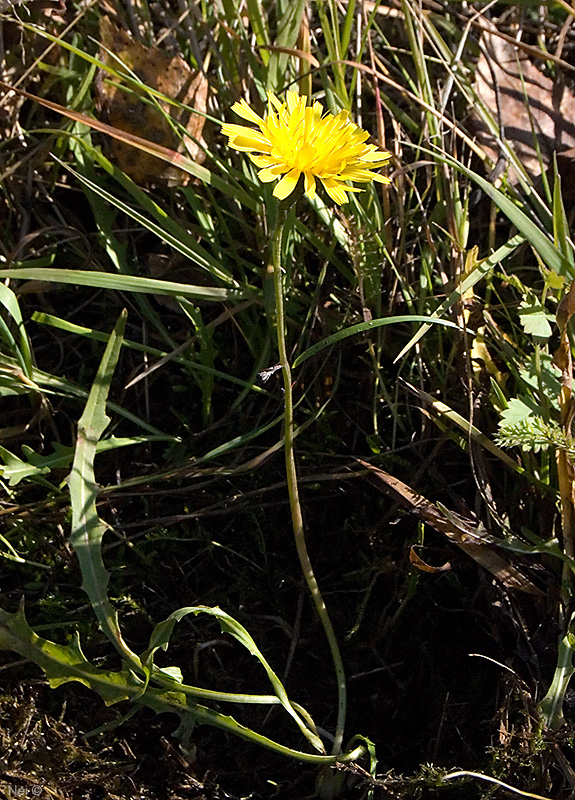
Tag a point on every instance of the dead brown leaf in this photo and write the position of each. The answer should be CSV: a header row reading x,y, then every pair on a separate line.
x,y
465,533
143,145
420,564
525,103
128,112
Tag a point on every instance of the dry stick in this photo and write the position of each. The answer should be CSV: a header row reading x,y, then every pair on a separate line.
x,y
292,481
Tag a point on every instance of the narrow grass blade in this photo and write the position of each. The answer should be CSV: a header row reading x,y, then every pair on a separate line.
x,y
122,283
54,384
552,257
165,154
289,22
165,229
465,425
100,336
361,327
259,26
480,272
560,222
21,350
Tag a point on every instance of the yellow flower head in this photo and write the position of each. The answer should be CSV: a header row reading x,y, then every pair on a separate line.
x,y
295,139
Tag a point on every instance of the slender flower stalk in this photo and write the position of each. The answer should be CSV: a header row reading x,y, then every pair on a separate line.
x,y
292,482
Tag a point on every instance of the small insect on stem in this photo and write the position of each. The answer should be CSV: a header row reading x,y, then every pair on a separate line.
x,y
267,373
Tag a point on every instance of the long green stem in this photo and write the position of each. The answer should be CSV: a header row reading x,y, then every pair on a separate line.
x,y
292,482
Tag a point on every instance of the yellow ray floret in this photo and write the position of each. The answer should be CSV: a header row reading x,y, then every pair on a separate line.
x,y
295,139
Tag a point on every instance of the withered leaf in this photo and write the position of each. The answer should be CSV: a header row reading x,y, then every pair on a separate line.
x,y
465,533
130,113
420,564
525,103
